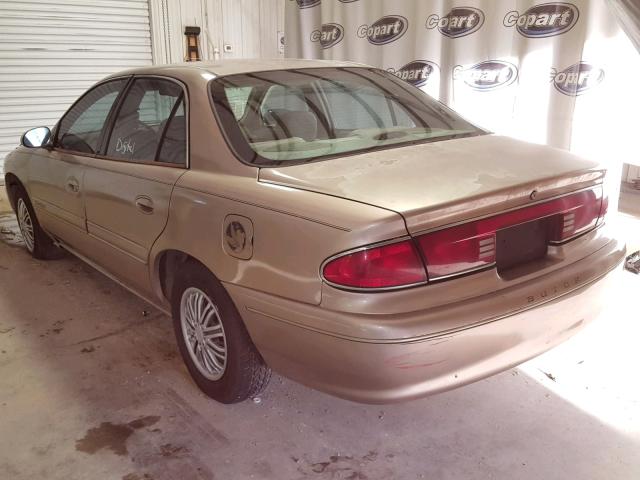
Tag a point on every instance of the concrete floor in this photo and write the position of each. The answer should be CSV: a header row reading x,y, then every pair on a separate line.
x,y
92,386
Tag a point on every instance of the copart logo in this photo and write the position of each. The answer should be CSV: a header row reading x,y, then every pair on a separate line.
x,y
545,20
460,21
385,30
488,75
329,35
417,73
307,3
577,79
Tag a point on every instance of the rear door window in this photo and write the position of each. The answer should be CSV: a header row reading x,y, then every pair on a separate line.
x,y
150,124
173,149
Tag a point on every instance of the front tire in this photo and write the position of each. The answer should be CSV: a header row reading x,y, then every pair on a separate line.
x,y
38,243
213,340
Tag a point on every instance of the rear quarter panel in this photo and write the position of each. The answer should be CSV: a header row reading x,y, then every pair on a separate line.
x,y
294,231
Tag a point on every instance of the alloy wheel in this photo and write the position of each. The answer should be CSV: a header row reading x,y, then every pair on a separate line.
x,y
26,225
203,333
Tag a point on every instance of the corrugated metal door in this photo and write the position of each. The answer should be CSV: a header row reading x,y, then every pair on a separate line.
x,y
51,51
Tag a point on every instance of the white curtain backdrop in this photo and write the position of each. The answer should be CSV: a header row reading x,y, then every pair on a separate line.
x,y
627,12
559,73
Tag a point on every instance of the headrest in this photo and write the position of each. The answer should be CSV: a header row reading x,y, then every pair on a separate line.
x,y
297,123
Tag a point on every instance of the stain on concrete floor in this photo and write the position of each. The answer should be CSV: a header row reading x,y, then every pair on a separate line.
x,y
173,451
135,476
110,436
338,466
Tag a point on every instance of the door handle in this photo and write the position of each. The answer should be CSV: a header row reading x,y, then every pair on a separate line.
x,y
72,185
144,204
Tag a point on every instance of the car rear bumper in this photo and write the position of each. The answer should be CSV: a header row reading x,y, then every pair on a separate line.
x,y
384,370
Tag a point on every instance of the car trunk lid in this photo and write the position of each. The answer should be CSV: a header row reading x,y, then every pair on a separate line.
x,y
436,184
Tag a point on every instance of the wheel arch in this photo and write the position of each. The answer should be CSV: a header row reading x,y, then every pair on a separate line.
x,y
11,181
165,267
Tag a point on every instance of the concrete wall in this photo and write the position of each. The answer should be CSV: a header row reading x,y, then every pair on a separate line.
x,y
229,28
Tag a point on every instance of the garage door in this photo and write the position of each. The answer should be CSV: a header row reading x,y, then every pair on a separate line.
x,y
52,50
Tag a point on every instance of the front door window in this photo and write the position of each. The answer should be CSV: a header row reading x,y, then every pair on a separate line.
x,y
80,129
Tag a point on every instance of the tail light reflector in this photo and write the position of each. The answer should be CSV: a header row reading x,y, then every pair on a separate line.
x,y
394,265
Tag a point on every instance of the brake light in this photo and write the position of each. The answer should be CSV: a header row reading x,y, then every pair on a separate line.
x,y
394,265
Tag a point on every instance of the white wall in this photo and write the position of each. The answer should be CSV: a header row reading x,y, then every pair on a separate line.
x,y
250,27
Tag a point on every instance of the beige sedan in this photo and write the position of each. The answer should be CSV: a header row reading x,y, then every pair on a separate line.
x,y
323,219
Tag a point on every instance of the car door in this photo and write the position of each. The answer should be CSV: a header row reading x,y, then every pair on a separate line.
x,y
128,186
57,177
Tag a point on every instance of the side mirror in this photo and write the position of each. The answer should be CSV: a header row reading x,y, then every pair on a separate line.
x,y
36,137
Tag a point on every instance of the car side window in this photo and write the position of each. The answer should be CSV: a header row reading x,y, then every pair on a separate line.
x,y
173,149
80,130
152,111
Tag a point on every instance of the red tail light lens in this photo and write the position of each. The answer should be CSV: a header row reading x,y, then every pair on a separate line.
x,y
462,248
471,246
387,266
604,209
578,213
458,249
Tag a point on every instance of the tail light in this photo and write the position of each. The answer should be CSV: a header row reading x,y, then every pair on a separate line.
x,y
387,266
471,246
578,213
455,250
604,209
462,248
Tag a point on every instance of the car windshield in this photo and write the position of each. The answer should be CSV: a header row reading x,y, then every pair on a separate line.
x,y
293,116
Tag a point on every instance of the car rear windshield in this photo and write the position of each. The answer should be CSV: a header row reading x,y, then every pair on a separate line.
x,y
288,117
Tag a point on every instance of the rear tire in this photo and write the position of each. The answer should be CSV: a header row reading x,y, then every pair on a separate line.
x,y
213,341
38,243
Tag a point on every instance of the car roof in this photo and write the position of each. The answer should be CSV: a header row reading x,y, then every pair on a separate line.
x,y
233,66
